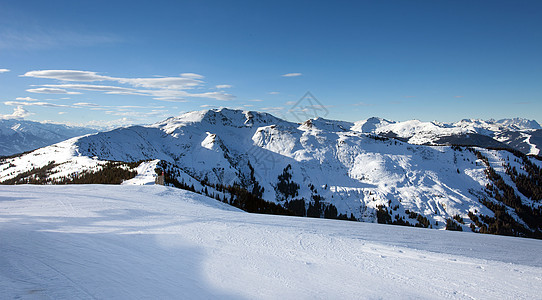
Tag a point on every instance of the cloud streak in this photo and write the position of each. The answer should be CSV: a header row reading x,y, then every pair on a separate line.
x,y
4,70
25,99
291,74
46,39
45,104
160,88
51,91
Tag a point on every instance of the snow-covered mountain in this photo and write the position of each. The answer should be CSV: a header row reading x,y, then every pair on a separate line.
x,y
17,136
517,133
315,166
155,242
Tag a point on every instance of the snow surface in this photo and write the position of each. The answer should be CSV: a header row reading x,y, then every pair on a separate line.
x,y
155,242
419,133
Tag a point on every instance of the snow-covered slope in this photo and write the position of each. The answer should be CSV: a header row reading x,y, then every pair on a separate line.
x,y
519,124
501,133
155,242
319,160
18,136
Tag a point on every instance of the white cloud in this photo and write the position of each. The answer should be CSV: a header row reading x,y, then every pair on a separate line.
x,y
192,75
86,104
25,99
256,100
46,104
4,70
291,74
62,112
18,113
108,89
174,83
51,91
223,86
274,93
186,81
66,75
161,88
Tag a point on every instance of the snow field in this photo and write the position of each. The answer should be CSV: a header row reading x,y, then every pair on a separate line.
x,y
135,242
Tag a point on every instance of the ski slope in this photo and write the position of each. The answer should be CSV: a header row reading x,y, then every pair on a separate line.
x,y
155,242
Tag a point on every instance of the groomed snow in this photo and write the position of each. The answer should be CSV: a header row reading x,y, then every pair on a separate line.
x,y
155,242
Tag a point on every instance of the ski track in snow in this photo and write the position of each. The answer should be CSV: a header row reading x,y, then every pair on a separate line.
x,y
140,242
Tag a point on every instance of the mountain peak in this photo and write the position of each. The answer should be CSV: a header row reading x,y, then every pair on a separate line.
x,y
519,124
371,124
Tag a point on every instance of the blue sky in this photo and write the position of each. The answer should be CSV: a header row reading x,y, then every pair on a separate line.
x,y
133,62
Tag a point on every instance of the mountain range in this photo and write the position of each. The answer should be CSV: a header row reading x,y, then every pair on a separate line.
x,y
368,171
520,134
18,136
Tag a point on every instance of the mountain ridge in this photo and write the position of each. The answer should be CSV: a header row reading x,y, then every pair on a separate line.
x,y
319,164
18,136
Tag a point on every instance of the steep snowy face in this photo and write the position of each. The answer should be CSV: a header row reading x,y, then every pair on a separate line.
x,y
328,125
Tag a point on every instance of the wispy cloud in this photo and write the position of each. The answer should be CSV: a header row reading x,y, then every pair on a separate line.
x,y
46,104
39,38
273,109
51,91
4,70
85,104
291,74
274,93
161,88
363,104
223,86
25,99
256,100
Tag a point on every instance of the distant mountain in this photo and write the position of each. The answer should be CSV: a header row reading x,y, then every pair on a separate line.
x,y
519,124
17,136
319,168
517,133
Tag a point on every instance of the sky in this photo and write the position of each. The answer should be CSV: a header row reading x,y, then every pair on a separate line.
x,y
112,63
